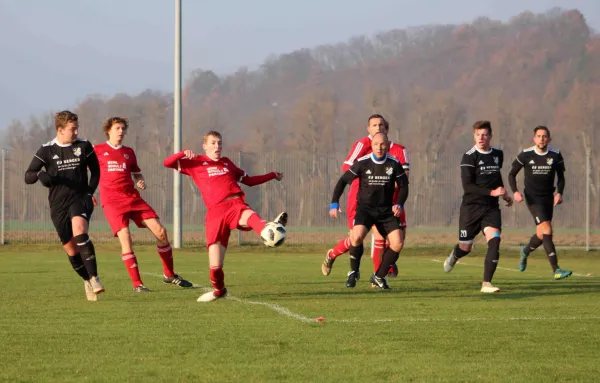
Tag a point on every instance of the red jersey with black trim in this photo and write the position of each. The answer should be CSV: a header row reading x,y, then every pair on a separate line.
x,y
216,180
117,164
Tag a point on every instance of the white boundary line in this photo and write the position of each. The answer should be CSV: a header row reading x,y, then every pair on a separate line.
x,y
507,269
287,313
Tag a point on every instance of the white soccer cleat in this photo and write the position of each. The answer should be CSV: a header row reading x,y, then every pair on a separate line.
x,y
212,295
450,262
89,291
487,287
97,287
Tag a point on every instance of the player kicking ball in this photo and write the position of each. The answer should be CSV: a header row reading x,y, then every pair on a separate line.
x,y
217,179
122,202
378,174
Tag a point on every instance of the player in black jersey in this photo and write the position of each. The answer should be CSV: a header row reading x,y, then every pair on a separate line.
x,y
65,161
378,175
482,183
542,165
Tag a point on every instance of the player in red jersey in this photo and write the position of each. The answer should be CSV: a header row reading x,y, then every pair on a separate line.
x,y
217,179
122,202
379,243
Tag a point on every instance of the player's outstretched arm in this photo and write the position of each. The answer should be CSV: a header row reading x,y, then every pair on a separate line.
x,y
171,161
345,179
257,180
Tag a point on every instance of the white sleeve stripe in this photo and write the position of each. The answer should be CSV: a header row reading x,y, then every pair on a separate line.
x,y
400,175
467,165
348,163
405,166
405,155
92,152
40,158
178,166
519,161
355,153
352,172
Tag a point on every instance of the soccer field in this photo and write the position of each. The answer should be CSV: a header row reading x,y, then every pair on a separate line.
x,y
432,327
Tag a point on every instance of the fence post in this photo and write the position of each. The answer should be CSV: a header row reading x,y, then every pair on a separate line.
x,y
239,233
3,164
587,200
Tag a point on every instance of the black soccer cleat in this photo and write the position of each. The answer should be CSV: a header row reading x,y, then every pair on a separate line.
x,y
178,281
381,283
282,219
353,277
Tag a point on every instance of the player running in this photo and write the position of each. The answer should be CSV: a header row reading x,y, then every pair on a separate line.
x,y
479,211
122,202
378,174
217,179
542,164
65,161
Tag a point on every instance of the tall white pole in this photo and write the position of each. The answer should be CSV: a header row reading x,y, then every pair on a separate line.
x,y
177,240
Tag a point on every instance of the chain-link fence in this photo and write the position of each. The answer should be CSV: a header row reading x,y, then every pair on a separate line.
x,y
305,193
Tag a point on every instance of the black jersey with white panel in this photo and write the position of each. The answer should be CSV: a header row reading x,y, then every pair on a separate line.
x,y
377,181
480,174
66,168
540,171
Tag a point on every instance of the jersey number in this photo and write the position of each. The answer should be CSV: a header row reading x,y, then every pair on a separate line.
x,y
463,233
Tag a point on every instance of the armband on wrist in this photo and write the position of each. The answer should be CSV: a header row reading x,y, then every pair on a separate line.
x,y
334,205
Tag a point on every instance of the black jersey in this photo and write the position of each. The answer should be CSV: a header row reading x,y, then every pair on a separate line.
x,y
480,174
67,166
377,181
540,170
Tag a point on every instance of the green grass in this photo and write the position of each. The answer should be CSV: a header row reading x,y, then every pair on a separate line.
x,y
432,327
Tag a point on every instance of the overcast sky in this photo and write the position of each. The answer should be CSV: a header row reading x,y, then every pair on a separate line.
x,y
54,53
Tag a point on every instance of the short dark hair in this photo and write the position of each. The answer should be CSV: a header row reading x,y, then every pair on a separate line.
x,y
541,127
62,119
483,124
376,115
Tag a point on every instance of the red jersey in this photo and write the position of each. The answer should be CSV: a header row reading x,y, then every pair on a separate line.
x,y
216,180
401,155
360,148
117,164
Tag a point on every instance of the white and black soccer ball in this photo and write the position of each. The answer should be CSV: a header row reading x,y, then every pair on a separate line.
x,y
273,234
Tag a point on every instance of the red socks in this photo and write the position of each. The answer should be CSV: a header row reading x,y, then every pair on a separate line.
x,y
378,249
256,223
130,262
342,247
166,256
217,278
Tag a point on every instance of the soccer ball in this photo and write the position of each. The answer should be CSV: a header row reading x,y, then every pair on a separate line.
x,y
273,234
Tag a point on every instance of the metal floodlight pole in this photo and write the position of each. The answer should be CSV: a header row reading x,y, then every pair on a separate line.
x,y
177,195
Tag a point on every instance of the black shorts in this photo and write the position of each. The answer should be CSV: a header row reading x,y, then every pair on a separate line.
x,y
540,207
475,218
61,217
383,219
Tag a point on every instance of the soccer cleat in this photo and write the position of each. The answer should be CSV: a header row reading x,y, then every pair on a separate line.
x,y
523,261
281,219
381,283
89,291
450,262
353,276
213,295
393,271
177,280
97,287
562,274
141,289
487,287
327,264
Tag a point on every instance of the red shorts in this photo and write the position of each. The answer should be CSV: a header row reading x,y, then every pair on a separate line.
x,y
223,218
119,214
